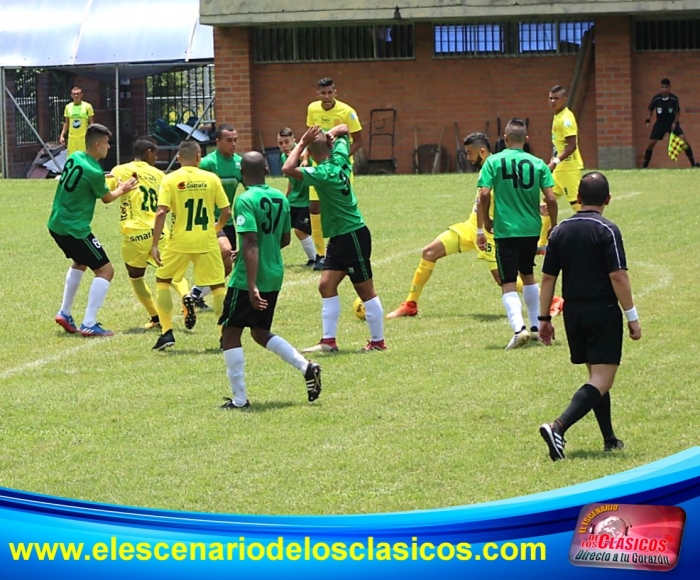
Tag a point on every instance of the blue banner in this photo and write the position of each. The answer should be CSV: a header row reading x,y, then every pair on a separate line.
x,y
526,537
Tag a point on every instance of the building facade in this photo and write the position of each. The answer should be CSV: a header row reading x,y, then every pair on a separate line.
x,y
469,62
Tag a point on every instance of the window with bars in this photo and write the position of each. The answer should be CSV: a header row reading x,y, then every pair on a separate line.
x,y
508,38
666,35
333,43
179,96
25,93
59,87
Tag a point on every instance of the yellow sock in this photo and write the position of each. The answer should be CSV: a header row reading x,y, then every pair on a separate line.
x,y
519,285
218,297
143,293
546,224
317,234
181,287
164,305
420,279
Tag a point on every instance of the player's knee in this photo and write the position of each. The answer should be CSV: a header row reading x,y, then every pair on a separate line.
x,y
260,336
106,272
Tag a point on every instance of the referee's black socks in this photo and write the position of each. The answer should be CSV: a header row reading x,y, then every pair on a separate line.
x,y
585,399
647,157
689,153
602,415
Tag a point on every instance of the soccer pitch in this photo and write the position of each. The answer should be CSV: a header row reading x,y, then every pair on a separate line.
x,y
445,417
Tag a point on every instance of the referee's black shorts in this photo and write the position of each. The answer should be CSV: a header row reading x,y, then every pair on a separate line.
x,y
515,255
594,331
659,130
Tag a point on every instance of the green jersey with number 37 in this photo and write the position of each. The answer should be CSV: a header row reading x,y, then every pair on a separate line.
x,y
331,178
263,210
517,178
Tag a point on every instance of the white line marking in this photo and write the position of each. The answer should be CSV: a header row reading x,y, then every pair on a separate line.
x,y
89,343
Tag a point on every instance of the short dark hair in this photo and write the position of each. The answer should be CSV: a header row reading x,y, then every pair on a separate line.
x,y
665,83
286,132
325,82
94,132
516,130
142,145
221,128
188,149
478,140
557,89
594,189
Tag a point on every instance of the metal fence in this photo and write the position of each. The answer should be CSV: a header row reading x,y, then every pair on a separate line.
x,y
667,35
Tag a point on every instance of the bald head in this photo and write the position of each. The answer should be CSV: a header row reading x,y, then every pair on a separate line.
x,y
253,168
594,189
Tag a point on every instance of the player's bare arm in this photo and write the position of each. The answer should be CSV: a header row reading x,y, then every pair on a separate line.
x,y
223,218
550,201
285,240
251,259
291,165
484,205
122,188
340,131
356,142
568,151
623,290
546,294
64,131
158,226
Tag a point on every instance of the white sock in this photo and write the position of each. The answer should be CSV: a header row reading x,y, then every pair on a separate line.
x,y
309,248
198,292
531,295
73,278
96,297
235,369
287,353
514,310
330,314
374,314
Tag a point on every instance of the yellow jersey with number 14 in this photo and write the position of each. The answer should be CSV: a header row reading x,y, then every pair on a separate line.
x,y
192,194
138,207
564,125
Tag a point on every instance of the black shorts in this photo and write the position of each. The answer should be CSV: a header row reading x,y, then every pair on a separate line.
x,y
351,253
239,313
594,331
658,131
230,232
84,251
300,219
515,255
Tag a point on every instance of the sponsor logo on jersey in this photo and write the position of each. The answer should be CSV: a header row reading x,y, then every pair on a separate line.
x,y
192,185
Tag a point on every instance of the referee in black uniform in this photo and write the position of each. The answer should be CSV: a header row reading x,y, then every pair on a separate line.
x,y
667,109
588,250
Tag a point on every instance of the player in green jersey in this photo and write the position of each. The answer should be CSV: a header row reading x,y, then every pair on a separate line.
x,y
81,184
518,179
298,196
263,224
350,245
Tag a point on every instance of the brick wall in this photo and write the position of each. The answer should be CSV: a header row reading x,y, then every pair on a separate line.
x,y
683,70
427,93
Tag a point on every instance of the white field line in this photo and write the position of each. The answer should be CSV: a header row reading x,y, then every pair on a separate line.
x,y
89,343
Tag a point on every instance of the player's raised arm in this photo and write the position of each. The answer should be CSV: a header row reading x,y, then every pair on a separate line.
x,y
122,188
291,165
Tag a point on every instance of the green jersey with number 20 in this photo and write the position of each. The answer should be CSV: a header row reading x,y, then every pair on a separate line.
x,y
517,178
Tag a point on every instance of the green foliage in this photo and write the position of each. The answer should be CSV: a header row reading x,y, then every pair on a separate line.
x,y
444,417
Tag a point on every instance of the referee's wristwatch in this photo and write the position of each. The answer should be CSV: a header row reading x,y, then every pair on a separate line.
x,y
547,318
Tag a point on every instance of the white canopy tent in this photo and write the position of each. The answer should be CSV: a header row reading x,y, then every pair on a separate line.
x,y
119,38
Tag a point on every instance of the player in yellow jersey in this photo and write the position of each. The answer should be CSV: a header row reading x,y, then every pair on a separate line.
x,y
136,220
459,238
328,112
192,195
77,116
566,163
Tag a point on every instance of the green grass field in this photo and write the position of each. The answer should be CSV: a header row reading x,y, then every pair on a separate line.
x,y
443,418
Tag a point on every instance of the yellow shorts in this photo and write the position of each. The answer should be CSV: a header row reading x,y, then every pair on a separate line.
x,y
136,248
461,238
313,196
208,267
566,184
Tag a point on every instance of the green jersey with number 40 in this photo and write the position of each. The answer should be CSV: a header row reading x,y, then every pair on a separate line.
x,y
331,178
517,178
82,183
263,210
